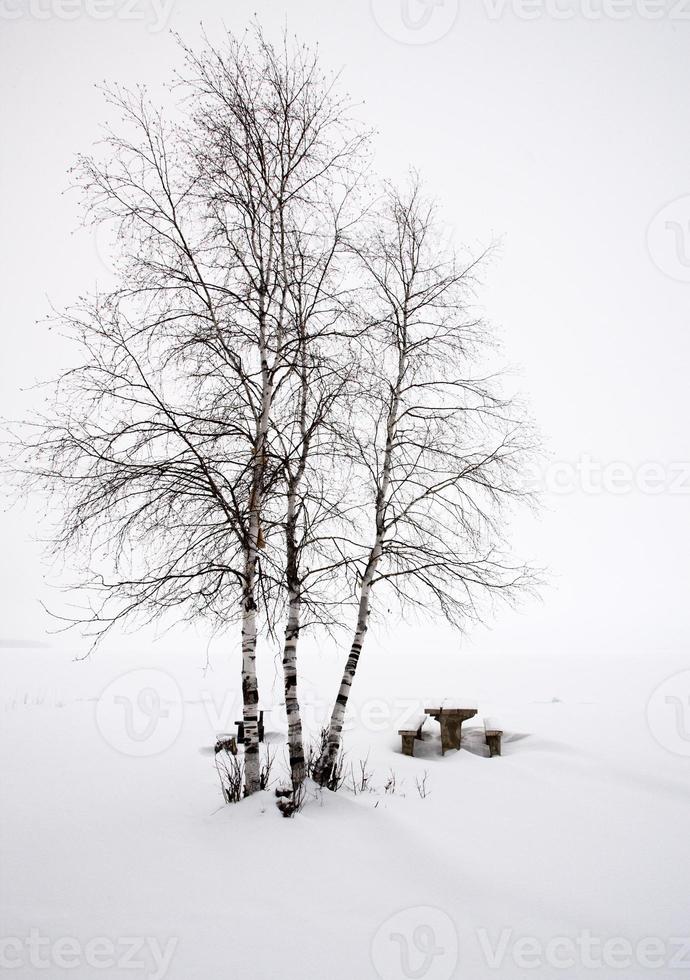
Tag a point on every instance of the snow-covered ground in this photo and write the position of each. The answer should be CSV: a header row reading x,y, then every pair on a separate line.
x,y
567,856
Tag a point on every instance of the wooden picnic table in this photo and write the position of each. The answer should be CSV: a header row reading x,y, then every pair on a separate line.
x,y
450,714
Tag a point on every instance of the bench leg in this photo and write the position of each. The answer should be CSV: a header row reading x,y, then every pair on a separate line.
x,y
451,733
408,744
494,743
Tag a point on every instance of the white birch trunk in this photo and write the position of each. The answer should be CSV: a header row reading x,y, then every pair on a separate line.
x,y
325,764
294,719
295,742
250,687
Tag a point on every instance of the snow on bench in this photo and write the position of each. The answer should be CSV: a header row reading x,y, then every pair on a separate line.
x,y
493,733
412,731
452,704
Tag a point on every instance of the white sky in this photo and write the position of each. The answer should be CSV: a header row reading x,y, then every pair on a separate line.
x,y
562,138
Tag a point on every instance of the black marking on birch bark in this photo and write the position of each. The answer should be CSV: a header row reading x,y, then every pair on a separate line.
x,y
250,694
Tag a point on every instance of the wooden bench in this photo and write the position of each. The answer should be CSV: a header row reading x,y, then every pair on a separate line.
x,y
411,732
493,733
240,729
226,742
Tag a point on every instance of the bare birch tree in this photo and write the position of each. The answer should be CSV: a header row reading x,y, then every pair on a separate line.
x,y
439,449
207,206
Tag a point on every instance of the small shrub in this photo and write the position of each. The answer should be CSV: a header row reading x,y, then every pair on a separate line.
x,y
422,788
230,769
361,781
265,770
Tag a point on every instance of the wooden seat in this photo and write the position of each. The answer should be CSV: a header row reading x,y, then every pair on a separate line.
x,y
227,743
412,731
493,734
